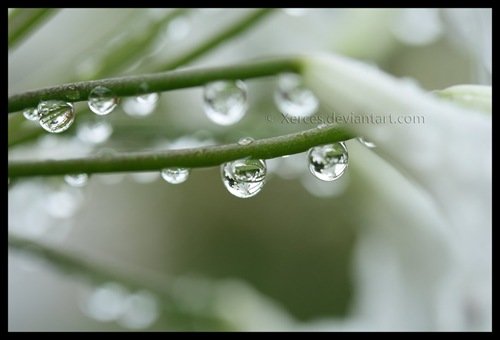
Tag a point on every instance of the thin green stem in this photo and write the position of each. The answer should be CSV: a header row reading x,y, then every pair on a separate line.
x,y
23,21
220,37
158,82
190,158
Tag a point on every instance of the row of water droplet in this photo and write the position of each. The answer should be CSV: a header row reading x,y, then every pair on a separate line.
x,y
246,177
225,103
57,116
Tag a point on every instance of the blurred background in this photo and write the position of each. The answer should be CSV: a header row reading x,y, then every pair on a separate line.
x,y
192,256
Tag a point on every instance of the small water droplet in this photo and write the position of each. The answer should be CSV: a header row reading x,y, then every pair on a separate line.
x,y
141,106
72,93
292,98
77,180
102,100
366,142
140,310
225,101
106,303
55,115
245,141
31,114
322,126
328,162
244,177
175,175
94,132
178,28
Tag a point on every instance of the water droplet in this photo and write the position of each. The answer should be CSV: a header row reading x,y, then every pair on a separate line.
x,y
102,100
31,114
94,132
107,302
55,115
178,28
72,93
366,142
328,162
292,98
244,177
245,141
175,175
322,126
140,310
141,106
77,180
225,101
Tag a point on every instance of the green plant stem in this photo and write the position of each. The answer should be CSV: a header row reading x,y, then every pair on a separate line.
x,y
220,37
159,82
190,158
23,21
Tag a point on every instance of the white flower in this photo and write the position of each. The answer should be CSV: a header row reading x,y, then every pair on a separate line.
x,y
424,260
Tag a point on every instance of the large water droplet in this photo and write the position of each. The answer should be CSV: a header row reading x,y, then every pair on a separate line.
x,y
244,177
328,162
102,100
366,142
55,115
141,106
31,114
94,132
225,101
245,141
292,98
77,180
175,175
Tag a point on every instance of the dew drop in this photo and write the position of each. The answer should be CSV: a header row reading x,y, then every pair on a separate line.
x,y
292,98
244,177
245,141
107,302
94,132
328,162
178,28
102,100
322,126
225,102
31,114
141,106
366,142
140,310
55,115
77,180
175,175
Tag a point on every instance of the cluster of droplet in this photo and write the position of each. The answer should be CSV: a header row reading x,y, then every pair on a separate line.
x,y
225,103
57,116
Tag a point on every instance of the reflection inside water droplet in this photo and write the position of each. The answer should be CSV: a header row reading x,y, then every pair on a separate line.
x,y
102,100
55,116
244,177
225,102
292,98
175,175
328,162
